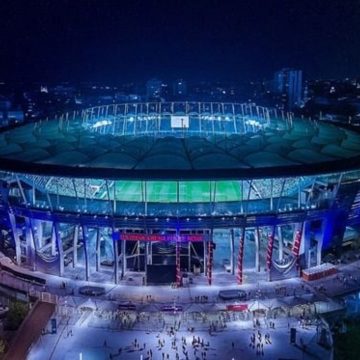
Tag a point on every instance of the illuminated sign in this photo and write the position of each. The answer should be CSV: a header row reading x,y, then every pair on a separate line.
x,y
180,122
159,237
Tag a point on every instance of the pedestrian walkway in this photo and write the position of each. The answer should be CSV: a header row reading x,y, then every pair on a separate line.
x,y
30,330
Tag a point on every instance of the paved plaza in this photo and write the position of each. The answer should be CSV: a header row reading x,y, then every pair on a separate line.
x,y
93,341
95,327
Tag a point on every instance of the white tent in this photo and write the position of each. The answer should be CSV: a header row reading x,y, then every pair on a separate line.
x,y
276,304
89,304
257,305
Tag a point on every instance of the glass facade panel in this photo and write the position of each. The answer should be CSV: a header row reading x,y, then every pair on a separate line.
x,y
194,191
228,191
161,191
128,191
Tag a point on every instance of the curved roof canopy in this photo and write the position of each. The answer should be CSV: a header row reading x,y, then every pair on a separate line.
x,y
303,149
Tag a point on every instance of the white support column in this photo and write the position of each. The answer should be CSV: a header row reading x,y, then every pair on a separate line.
x,y
305,236
56,229
86,255
257,249
320,243
232,252
147,252
115,241
75,244
53,241
30,246
205,252
123,258
138,255
38,231
146,261
33,195
189,256
280,242
16,238
150,253
98,255
318,237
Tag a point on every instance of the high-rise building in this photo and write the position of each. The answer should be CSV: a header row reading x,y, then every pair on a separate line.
x,y
179,88
288,84
153,88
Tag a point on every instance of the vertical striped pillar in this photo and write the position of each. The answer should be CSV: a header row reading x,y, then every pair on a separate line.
x,y
297,241
296,246
178,267
269,250
239,274
210,262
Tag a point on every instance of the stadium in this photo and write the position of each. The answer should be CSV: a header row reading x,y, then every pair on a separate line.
x,y
224,193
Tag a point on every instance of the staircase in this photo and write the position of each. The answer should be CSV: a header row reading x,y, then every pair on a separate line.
x,y
30,330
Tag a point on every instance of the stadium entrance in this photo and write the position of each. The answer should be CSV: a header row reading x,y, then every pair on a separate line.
x,y
207,255
163,256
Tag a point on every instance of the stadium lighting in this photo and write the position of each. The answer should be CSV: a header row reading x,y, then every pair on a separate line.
x,y
101,123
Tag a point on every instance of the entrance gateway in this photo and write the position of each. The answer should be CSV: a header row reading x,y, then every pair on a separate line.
x,y
162,268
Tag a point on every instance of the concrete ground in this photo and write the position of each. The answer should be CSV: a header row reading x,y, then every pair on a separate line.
x,y
90,340
81,333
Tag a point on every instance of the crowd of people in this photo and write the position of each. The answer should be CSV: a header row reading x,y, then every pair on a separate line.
x,y
169,346
258,340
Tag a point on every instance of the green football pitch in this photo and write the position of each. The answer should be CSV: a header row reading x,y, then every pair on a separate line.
x,y
189,191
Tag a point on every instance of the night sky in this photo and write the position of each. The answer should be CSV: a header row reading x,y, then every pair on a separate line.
x,y
135,40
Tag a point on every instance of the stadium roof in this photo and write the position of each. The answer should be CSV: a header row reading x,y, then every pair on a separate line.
x,y
304,149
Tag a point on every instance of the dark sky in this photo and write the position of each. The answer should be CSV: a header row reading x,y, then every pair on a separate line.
x,y
134,40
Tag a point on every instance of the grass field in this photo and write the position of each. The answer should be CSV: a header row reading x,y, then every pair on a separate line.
x,y
189,191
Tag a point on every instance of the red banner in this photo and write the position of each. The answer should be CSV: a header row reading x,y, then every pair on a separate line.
x,y
159,237
237,307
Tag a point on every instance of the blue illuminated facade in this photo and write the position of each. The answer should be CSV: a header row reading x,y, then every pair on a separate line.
x,y
60,217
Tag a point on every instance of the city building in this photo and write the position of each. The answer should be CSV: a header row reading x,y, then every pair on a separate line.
x,y
179,88
288,86
154,88
9,114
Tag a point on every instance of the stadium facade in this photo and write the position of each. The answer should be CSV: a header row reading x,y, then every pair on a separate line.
x,y
196,187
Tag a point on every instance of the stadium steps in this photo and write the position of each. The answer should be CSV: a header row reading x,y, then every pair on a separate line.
x,y
40,182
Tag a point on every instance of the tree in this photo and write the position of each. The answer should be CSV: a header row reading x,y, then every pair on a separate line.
x,y
16,314
2,346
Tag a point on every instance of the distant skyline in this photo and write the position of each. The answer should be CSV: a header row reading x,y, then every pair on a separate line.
x,y
120,41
